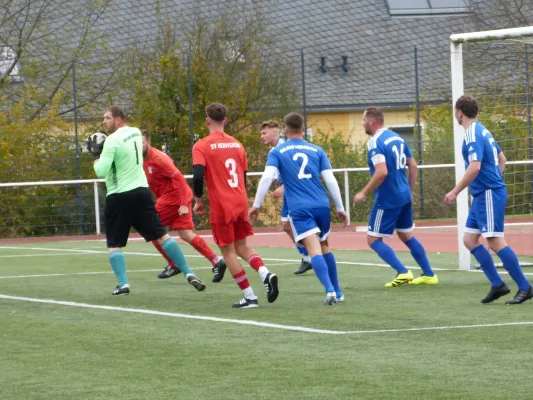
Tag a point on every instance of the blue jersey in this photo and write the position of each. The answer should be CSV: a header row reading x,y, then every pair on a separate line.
x,y
479,145
387,146
299,164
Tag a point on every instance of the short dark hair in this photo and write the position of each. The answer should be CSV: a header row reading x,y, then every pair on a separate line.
x,y
376,114
116,111
294,122
269,124
468,105
146,134
216,111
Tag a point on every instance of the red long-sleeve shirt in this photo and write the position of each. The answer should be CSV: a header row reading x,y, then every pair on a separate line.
x,y
165,180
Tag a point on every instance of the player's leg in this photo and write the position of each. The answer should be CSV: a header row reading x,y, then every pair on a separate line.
x,y
381,225
117,228
224,236
147,222
404,229
481,253
495,201
305,265
167,214
306,231
184,225
243,229
201,246
323,221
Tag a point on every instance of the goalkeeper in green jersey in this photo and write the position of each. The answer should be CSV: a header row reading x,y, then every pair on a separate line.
x,y
129,202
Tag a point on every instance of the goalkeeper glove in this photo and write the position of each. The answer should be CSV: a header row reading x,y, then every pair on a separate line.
x,y
94,147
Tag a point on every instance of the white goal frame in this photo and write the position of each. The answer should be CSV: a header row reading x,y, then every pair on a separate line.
x,y
456,51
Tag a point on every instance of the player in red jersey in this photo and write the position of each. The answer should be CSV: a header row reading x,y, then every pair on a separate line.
x,y
174,206
221,159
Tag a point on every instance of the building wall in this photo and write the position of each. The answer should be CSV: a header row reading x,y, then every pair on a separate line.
x,y
349,123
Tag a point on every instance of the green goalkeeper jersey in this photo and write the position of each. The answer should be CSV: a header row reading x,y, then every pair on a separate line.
x,y
121,161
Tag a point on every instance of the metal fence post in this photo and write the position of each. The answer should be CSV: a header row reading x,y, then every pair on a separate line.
x,y
419,137
97,208
528,107
76,141
189,88
347,196
303,92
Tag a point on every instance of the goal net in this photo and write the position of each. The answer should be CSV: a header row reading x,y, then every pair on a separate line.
x,y
496,67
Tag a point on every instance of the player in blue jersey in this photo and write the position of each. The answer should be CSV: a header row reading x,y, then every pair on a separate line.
x,y
484,163
270,135
388,155
300,165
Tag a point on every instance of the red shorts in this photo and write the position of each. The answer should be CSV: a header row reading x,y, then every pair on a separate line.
x,y
225,234
170,217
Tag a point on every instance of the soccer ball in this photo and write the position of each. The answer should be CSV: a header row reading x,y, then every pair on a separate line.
x,y
100,139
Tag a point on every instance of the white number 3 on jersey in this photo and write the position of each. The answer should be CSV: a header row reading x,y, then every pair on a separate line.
x,y
232,166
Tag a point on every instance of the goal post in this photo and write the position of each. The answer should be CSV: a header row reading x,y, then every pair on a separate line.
x,y
457,77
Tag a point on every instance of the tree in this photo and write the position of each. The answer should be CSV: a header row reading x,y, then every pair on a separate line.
x,y
232,60
40,40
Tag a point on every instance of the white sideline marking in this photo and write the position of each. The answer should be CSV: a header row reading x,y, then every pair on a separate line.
x,y
289,260
42,255
256,323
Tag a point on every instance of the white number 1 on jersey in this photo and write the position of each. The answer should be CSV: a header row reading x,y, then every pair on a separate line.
x,y
232,166
302,174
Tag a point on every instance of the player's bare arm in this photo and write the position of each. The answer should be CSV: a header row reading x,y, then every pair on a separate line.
x,y
470,174
501,161
271,173
412,173
377,179
278,192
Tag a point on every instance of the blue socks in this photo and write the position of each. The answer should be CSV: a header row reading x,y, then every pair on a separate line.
x,y
511,264
419,254
302,249
118,263
486,262
174,252
388,255
332,272
322,273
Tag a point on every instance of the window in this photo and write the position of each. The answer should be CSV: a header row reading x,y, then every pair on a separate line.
x,y
409,134
7,57
416,8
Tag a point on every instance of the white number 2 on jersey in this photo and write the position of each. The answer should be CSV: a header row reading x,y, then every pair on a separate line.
x,y
302,174
232,166
401,158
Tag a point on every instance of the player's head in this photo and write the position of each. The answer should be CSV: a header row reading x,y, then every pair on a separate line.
x,y
270,132
146,142
216,116
114,118
294,124
466,107
372,120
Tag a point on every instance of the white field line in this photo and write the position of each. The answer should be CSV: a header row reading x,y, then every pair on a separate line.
x,y
255,323
43,255
102,272
288,260
364,228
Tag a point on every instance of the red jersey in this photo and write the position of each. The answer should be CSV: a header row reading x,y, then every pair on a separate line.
x,y
165,180
225,163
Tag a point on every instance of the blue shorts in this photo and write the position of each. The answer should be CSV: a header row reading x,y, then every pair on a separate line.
x,y
284,210
307,222
487,213
383,222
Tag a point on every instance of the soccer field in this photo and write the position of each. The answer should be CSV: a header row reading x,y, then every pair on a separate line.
x,y
65,337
